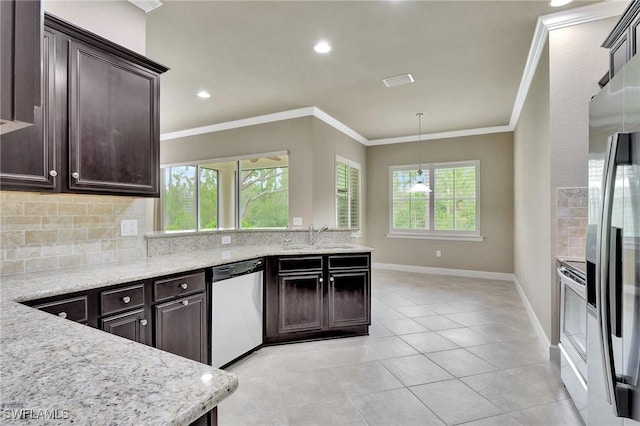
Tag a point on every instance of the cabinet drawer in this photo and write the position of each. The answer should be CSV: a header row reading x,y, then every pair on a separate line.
x,y
121,299
307,263
178,286
73,309
345,261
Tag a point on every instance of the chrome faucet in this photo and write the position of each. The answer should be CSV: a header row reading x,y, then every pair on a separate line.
x,y
314,237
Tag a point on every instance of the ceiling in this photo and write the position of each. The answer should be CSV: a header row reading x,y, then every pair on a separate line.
x,y
256,58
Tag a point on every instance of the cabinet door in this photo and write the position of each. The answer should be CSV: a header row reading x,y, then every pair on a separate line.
x,y
28,160
349,298
113,124
132,326
181,327
300,302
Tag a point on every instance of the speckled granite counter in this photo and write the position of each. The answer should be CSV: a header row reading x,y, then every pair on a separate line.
x,y
86,376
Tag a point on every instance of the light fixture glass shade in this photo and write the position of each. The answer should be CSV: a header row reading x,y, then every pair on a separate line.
x,y
418,183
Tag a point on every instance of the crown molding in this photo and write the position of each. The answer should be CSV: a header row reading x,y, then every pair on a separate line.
x,y
545,23
555,21
442,135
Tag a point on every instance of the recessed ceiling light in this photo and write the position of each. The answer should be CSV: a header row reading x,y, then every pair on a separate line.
x,y
322,47
558,3
204,94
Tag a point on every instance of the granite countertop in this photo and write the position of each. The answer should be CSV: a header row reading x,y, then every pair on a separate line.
x,y
55,367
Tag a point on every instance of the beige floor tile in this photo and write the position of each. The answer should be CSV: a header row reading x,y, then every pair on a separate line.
x,y
437,322
506,391
389,347
545,377
465,337
308,387
415,370
454,402
261,418
415,311
503,420
461,363
429,342
338,412
395,407
506,355
402,326
365,378
557,413
445,308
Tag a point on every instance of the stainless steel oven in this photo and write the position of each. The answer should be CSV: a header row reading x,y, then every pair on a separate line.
x,y
573,334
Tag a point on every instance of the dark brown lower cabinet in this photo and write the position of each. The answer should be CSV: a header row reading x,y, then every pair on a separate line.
x,y
300,302
349,301
181,327
131,325
311,297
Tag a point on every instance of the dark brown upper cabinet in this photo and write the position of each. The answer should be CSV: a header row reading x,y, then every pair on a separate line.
x,y
623,41
20,41
98,131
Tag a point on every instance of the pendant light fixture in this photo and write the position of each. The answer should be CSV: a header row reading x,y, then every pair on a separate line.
x,y
419,181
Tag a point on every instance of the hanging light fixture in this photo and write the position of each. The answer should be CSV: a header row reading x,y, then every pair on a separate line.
x,y
419,181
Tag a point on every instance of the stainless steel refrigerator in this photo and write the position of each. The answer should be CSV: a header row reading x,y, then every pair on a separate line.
x,y
613,252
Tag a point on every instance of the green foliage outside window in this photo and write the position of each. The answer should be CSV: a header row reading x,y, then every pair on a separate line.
x,y
179,198
264,198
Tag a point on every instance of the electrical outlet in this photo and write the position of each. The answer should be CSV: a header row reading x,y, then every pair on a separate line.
x,y
297,221
438,253
226,239
129,228
226,254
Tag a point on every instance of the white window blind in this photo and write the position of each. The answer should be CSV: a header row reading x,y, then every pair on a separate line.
x,y
347,193
451,206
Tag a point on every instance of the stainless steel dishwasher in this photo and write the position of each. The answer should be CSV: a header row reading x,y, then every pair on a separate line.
x,y
236,310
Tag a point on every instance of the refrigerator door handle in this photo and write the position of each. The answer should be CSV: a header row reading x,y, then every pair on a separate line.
x,y
617,393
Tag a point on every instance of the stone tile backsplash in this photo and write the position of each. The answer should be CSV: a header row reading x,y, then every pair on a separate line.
x,y
41,232
571,216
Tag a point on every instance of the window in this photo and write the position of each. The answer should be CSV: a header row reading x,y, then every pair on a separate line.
x,y
450,208
182,208
347,193
250,193
264,194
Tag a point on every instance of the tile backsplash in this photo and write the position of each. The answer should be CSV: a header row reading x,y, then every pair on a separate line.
x,y
571,216
41,232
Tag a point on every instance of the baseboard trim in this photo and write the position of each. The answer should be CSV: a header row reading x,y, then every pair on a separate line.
x,y
537,326
502,276
550,349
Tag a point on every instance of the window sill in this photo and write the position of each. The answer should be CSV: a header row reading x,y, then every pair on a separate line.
x,y
445,237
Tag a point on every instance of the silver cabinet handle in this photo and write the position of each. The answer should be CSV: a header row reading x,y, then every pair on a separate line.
x,y
185,302
62,314
75,175
143,322
53,173
321,280
184,286
331,279
126,299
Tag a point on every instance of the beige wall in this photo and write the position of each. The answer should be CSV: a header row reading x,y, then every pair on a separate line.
x,y
312,146
576,63
495,253
116,20
532,166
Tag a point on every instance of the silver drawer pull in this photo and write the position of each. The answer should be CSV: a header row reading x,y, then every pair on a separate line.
x,y
143,322
185,302
184,286
75,175
321,280
53,173
331,279
126,299
62,314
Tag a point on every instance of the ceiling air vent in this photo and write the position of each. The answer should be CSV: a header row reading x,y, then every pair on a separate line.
x,y
398,80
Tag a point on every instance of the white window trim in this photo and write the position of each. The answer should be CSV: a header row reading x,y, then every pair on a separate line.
x,y
339,159
432,234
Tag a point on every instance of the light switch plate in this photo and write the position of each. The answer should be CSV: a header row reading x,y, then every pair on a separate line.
x,y
297,221
226,239
129,228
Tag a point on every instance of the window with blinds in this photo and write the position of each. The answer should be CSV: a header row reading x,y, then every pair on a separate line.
x,y
449,207
347,193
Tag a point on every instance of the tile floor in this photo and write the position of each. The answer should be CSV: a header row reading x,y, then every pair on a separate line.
x,y
441,350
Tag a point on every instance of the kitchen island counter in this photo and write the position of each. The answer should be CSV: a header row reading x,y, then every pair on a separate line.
x,y
73,373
